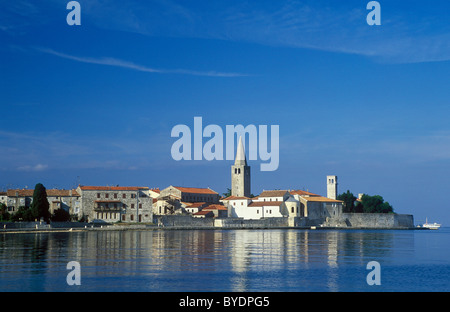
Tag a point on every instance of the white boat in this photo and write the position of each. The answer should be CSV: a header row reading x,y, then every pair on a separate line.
x,y
431,226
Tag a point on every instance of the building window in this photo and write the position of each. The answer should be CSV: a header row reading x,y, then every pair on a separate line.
x,y
133,195
124,195
131,217
140,206
123,217
106,195
98,195
115,195
132,206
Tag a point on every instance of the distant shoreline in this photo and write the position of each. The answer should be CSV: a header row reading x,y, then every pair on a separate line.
x,y
176,228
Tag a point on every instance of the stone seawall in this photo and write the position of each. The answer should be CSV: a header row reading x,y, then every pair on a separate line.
x,y
251,224
182,221
378,220
345,220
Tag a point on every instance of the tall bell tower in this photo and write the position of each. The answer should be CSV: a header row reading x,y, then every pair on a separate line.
x,y
240,173
332,190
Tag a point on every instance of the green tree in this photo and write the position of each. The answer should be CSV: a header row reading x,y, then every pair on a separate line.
x,y
40,206
375,204
23,214
60,215
358,207
4,214
228,193
349,201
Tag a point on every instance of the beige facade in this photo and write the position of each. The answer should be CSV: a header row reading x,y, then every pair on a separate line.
x,y
68,200
176,199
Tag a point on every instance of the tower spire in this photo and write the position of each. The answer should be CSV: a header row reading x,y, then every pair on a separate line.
x,y
240,173
240,158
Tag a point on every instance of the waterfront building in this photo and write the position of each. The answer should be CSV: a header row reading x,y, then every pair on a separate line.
x,y
3,198
332,190
68,200
240,173
115,203
179,200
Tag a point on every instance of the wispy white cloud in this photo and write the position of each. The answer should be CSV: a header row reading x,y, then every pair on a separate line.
x,y
109,61
407,34
35,152
38,167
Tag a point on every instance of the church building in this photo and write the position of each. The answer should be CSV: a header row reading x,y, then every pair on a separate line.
x,y
240,173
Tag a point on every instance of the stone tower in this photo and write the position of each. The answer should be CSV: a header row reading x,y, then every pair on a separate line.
x,y
332,184
240,173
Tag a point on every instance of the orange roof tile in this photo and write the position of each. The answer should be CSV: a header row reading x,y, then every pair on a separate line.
x,y
195,190
276,193
322,199
300,192
203,212
50,193
215,207
113,188
232,197
265,203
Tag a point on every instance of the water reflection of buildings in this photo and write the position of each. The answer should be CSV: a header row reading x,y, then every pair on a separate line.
x,y
299,251
234,260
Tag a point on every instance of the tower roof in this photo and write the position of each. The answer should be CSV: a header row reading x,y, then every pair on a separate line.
x,y
240,154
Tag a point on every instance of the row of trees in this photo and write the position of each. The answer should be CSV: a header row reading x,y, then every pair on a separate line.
x,y
38,209
367,203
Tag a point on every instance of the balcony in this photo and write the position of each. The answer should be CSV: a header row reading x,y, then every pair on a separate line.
x,y
107,205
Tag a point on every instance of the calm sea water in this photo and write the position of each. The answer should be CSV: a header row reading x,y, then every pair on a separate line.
x,y
227,260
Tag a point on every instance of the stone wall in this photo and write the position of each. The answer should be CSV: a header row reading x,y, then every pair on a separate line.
x,y
182,221
257,223
378,220
125,206
24,225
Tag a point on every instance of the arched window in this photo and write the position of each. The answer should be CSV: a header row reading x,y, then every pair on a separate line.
x,y
239,170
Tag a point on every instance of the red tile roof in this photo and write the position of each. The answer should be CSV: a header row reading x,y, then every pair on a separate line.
x,y
113,188
265,203
322,199
203,212
215,207
195,190
300,192
50,193
276,193
232,197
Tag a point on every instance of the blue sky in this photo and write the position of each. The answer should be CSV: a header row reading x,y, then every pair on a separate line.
x,y
96,103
